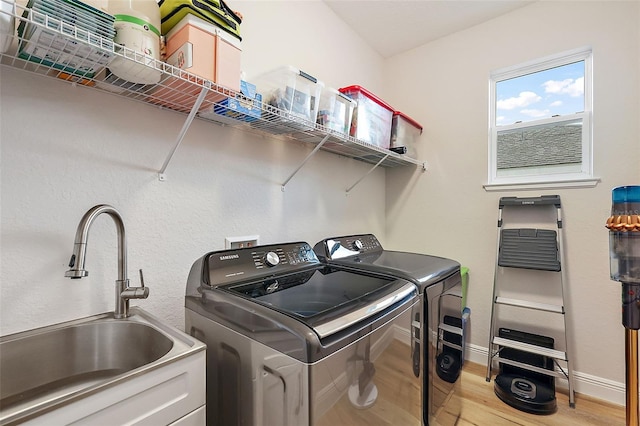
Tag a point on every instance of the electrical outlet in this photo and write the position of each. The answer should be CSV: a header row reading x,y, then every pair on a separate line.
x,y
241,242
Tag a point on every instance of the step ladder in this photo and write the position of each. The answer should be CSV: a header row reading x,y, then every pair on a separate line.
x,y
538,250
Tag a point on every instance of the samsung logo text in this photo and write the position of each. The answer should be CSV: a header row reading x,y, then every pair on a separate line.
x,y
229,257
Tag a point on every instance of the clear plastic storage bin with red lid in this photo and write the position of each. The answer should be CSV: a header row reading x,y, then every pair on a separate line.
x,y
405,132
371,122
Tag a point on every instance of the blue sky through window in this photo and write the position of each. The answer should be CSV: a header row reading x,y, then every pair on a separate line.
x,y
543,94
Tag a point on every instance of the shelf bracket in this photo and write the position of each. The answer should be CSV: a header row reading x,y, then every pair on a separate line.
x,y
311,154
367,174
183,132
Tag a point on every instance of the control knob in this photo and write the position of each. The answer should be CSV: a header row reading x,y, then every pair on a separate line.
x,y
357,244
271,258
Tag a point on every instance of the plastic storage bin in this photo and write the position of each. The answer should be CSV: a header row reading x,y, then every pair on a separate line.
x,y
405,132
203,49
57,24
371,122
213,11
137,26
7,24
294,93
335,110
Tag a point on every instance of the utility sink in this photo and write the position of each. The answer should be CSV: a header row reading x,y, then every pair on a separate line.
x,y
47,369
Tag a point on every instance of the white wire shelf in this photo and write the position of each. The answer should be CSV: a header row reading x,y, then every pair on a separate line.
x,y
59,50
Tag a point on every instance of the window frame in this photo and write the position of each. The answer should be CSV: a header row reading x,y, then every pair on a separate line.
x,y
545,177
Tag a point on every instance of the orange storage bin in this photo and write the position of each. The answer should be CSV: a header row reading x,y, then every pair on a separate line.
x,y
205,50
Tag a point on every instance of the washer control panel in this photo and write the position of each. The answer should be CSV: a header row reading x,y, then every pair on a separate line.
x,y
230,266
271,258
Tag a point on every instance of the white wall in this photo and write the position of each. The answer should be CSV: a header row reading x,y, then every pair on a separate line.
x,y
447,212
66,148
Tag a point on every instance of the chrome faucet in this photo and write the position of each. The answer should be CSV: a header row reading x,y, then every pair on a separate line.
x,y
123,292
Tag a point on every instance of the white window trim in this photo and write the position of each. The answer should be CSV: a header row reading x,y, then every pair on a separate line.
x,y
583,178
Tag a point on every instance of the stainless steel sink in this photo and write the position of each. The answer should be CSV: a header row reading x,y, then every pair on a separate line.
x,y
44,368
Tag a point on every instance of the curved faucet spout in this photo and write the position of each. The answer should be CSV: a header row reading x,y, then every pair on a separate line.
x,y
77,261
76,264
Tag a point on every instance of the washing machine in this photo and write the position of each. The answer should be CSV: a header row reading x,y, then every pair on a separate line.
x,y
294,341
434,277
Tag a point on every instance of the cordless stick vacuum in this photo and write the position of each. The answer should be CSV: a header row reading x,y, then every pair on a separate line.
x,y
624,253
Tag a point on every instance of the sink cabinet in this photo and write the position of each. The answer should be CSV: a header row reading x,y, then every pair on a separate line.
x,y
173,394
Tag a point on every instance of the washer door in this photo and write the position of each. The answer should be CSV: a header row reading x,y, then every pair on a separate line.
x,y
328,302
371,381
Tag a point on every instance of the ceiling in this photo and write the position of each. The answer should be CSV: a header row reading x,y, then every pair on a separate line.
x,y
394,26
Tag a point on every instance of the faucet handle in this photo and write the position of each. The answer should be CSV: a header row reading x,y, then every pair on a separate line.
x,y
141,292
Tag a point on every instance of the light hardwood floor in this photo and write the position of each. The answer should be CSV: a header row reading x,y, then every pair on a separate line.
x,y
398,402
480,406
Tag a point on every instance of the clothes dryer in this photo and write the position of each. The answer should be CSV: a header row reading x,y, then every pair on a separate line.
x,y
433,277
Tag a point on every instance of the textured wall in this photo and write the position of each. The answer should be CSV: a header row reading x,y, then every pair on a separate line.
x,y
448,212
66,148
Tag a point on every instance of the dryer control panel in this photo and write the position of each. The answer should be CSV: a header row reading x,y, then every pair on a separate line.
x,y
352,245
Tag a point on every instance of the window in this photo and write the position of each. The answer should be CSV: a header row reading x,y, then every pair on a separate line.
x,y
540,123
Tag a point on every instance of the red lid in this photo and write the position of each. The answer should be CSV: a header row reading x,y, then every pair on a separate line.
x,y
368,94
411,121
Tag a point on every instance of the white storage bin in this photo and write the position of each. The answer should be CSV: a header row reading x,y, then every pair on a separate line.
x,y
335,110
50,31
296,95
405,132
7,24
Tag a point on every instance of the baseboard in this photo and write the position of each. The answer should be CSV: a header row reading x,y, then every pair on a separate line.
x,y
586,384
